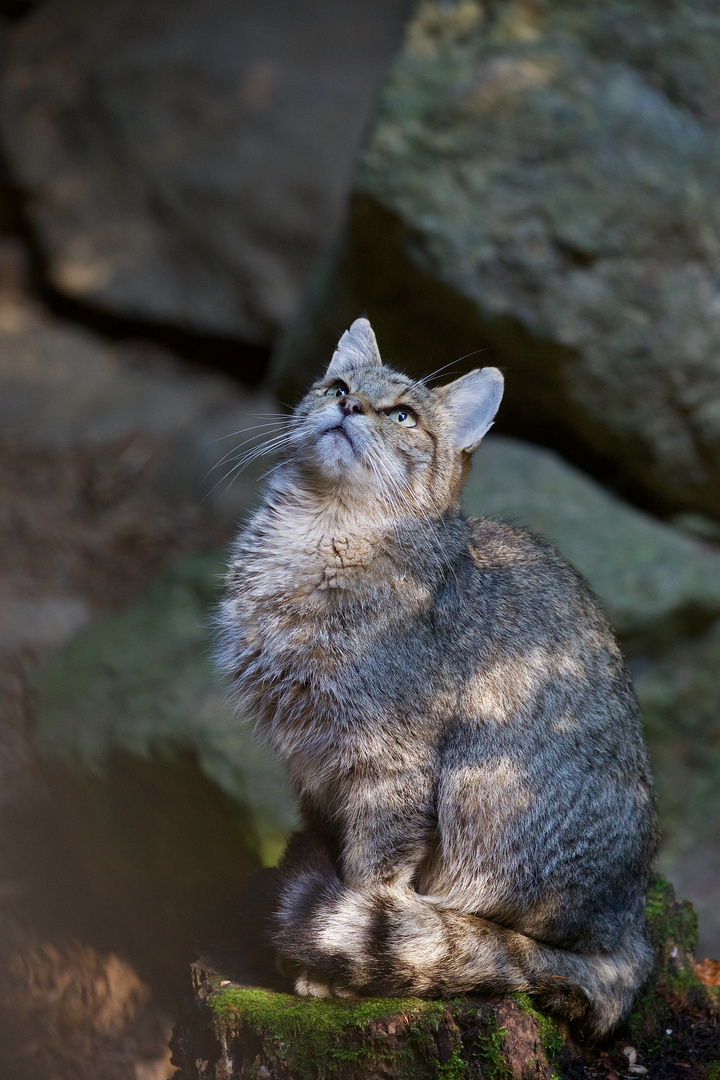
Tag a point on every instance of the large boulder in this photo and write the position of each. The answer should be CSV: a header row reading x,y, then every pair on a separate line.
x,y
106,476
139,691
655,582
160,793
186,163
108,458
541,181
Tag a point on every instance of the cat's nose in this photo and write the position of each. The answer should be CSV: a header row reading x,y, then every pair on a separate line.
x,y
351,405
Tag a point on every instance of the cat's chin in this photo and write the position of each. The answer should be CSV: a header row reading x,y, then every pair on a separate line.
x,y
335,452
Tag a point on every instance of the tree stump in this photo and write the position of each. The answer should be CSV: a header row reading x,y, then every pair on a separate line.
x,y
232,1031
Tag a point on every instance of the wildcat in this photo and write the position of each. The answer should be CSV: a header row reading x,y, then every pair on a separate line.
x,y
452,710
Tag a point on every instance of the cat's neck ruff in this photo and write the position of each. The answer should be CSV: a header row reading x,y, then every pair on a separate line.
x,y
301,512
303,542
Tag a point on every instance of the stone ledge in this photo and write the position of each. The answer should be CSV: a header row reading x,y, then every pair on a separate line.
x,y
232,1031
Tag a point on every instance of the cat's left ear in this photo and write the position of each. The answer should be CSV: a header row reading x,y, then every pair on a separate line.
x,y
357,348
471,403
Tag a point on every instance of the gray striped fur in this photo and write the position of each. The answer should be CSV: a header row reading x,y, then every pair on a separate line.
x,y
451,708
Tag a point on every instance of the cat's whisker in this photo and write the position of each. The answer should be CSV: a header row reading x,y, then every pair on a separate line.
x,y
273,439
426,378
235,449
258,451
269,446
271,470
277,418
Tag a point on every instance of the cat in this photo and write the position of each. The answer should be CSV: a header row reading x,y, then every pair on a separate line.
x,y
451,708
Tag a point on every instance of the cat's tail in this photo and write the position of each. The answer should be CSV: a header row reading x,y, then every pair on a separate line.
x,y
390,942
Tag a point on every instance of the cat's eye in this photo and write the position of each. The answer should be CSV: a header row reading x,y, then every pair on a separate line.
x,y
338,389
403,415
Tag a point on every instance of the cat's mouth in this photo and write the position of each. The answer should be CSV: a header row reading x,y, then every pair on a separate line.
x,y
337,448
339,433
339,430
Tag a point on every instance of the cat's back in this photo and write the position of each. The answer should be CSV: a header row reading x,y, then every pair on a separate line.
x,y
525,640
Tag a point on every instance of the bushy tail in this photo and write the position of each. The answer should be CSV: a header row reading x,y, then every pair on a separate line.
x,y
388,941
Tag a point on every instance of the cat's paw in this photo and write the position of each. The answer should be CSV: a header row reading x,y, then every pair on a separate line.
x,y
308,985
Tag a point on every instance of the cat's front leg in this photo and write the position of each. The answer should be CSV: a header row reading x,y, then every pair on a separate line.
x,y
309,984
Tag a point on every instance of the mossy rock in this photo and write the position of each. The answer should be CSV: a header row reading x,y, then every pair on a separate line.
x,y
230,1031
242,1031
142,684
679,695
157,785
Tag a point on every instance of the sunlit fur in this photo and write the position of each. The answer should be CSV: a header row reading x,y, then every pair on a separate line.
x,y
452,710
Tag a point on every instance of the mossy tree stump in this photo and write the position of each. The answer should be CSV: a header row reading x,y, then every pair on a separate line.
x,y
230,1031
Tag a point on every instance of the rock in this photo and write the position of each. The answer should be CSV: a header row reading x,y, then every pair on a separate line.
x,y
64,387
187,163
70,1012
679,695
228,1030
653,581
277,1035
163,797
106,455
139,691
540,181
71,1008
115,460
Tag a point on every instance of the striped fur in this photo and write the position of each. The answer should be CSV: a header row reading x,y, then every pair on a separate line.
x,y
451,707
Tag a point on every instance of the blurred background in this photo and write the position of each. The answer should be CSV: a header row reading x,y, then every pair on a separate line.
x,y
196,198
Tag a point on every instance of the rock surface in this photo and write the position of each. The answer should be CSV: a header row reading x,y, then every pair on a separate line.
x,y
654,581
142,686
187,163
540,180
679,692
229,1030
104,458
108,458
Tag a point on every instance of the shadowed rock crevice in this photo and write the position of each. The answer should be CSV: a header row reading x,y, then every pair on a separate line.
x,y
245,361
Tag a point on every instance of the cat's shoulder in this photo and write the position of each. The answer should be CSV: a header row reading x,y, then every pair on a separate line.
x,y
497,543
500,547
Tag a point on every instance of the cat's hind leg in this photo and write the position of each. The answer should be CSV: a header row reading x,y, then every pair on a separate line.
x,y
388,941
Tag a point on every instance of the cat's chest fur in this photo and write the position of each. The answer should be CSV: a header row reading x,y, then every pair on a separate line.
x,y
317,605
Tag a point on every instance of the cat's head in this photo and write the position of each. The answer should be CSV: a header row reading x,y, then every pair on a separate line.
x,y
367,431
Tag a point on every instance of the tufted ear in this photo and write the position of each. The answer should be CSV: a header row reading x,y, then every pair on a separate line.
x,y
471,403
356,348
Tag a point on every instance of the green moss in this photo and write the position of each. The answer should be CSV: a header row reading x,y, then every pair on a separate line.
x,y
315,1036
672,928
490,1050
455,1068
144,683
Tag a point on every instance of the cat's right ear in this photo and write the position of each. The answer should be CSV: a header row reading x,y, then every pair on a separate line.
x,y
357,348
471,403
